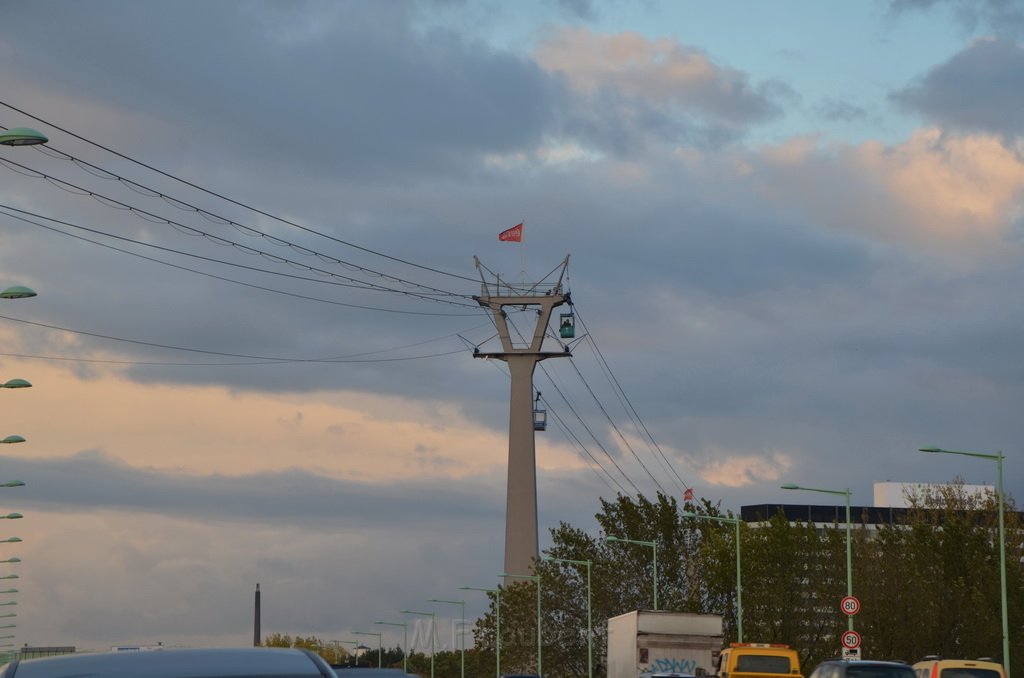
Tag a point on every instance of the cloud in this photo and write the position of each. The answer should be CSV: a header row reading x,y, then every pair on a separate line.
x,y
630,83
1001,16
390,99
981,89
958,194
741,470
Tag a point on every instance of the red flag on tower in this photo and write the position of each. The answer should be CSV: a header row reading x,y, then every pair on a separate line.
x,y
514,234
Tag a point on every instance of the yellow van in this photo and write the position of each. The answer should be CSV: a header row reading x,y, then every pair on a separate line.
x,y
937,667
758,660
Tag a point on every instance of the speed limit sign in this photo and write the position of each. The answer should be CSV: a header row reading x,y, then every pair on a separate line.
x,y
850,639
850,605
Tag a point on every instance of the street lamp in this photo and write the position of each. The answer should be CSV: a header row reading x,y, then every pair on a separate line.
x,y
11,516
16,383
17,292
590,626
497,624
998,458
22,136
534,578
10,540
739,576
380,644
10,440
433,634
405,642
654,546
462,630
849,558
13,483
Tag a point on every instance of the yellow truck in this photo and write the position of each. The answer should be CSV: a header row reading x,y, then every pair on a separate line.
x,y
758,660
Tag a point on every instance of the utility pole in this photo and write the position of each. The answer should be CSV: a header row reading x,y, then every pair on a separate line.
x,y
521,355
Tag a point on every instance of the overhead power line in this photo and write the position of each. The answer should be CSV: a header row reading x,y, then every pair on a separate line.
x,y
161,248
231,200
154,218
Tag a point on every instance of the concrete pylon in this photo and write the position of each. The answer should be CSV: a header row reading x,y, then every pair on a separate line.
x,y
521,545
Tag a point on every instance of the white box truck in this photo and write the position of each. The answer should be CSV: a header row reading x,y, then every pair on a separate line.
x,y
661,641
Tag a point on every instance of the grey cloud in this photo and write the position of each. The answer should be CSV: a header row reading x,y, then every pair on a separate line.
x,y
1001,16
979,89
841,111
94,480
382,97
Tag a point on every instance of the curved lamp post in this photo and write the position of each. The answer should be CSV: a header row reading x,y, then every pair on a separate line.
x,y
590,625
849,559
739,576
22,136
654,546
536,579
998,458
405,642
462,630
10,440
380,644
16,383
497,624
433,634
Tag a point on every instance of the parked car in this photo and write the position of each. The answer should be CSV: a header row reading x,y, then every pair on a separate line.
x,y
867,668
252,662
937,667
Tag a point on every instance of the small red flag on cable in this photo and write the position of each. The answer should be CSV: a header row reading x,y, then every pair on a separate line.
x,y
514,234
688,495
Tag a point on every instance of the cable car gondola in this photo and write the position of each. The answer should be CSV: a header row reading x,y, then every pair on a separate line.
x,y
540,415
567,326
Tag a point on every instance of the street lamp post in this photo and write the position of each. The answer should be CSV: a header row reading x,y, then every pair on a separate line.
x,y
462,631
998,458
405,642
590,625
536,579
433,634
497,624
380,644
654,546
849,559
739,562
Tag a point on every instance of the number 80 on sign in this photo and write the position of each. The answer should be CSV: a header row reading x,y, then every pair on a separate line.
x,y
850,605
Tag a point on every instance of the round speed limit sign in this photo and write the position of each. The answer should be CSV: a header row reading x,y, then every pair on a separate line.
x,y
850,639
850,605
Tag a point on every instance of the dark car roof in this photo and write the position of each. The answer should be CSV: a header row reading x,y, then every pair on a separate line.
x,y
186,663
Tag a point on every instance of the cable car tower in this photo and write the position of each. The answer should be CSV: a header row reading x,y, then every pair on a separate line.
x,y
522,356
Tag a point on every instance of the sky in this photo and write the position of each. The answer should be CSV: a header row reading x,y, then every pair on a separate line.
x,y
795,250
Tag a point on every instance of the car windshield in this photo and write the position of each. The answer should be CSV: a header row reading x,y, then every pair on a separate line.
x,y
868,671
969,672
759,663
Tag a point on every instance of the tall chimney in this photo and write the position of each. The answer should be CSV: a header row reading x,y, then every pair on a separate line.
x,y
256,620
